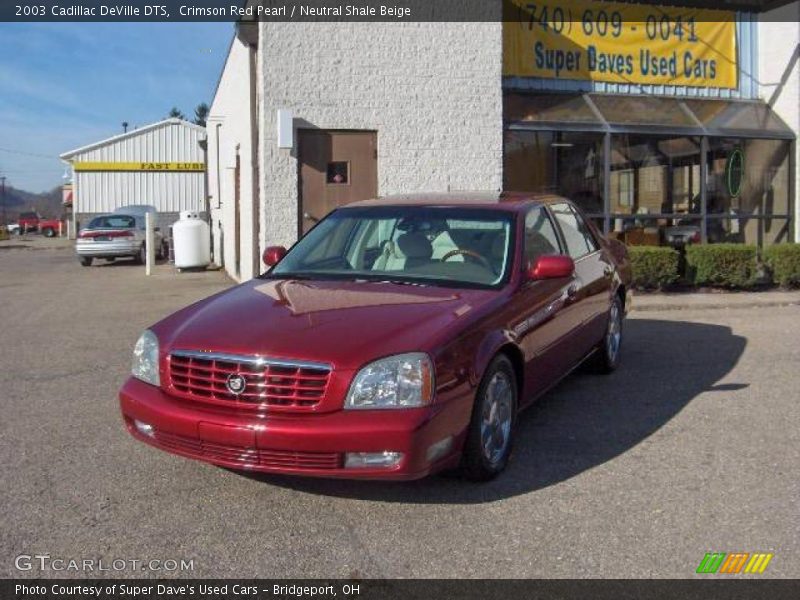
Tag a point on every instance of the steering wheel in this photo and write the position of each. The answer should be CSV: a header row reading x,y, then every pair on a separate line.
x,y
470,253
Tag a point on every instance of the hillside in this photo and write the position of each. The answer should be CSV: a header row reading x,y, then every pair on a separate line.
x,y
47,204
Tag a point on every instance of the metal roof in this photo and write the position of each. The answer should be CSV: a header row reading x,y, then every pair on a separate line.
x,y
644,115
129,134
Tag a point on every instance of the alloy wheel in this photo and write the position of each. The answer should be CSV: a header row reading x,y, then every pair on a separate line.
x,y
614,333
496,417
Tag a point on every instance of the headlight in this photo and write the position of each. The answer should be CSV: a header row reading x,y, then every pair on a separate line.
x,y
145,358
401,381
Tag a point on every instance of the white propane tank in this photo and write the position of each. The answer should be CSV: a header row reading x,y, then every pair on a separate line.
x,y
191,241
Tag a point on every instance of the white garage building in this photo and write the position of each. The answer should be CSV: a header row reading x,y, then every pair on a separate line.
x,y
162,164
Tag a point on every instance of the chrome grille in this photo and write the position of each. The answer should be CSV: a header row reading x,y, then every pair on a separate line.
x,y
249,457
270,382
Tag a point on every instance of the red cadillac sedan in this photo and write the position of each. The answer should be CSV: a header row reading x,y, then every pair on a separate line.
x,y
399,337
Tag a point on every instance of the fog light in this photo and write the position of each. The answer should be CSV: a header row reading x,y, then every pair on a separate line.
x,y
361,460
144,428
439,449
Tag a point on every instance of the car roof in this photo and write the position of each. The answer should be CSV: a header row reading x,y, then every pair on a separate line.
x,y
512,201
135,209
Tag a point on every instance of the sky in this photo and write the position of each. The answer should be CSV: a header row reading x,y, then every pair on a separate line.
x,y
66,85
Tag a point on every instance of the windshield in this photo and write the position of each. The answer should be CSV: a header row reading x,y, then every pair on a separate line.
x,y
113,222
441,246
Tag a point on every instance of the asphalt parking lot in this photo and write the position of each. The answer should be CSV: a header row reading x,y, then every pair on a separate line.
x,y
692,446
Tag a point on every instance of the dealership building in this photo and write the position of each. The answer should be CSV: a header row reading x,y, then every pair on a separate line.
x,y
666,125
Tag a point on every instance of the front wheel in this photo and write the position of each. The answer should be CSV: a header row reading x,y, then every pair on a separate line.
x,y
607,356
490,434
86,261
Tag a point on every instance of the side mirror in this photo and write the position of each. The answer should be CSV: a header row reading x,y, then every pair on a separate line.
x,y
551,266
273,255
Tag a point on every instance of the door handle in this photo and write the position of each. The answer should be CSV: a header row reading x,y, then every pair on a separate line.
x,y
310,217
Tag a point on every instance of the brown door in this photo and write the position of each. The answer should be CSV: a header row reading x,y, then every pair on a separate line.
x,y
336,167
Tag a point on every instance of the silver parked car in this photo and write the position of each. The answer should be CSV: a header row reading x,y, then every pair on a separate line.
x,y
120,234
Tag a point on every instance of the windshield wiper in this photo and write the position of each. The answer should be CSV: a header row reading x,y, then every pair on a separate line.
x,y
416,282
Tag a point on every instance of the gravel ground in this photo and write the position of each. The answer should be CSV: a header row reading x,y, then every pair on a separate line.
x,y
692,446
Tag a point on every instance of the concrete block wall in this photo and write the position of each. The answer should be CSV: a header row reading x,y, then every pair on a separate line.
x,y
432,91
229,127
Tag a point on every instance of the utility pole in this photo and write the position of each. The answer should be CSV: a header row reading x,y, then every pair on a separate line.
x,y
3,198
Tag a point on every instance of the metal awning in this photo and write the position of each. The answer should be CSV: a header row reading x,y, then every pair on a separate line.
x,y
643,115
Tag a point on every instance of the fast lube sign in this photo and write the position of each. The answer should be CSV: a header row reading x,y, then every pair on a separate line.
x,y
620,43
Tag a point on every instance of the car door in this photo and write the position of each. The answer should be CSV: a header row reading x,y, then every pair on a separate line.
x,y
538,322
590,295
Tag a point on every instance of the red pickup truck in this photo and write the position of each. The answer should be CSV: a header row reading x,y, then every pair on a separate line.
x,y
32,221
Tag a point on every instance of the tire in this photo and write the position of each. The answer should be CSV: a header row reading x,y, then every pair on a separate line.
x,y
491,430
141,257
86,261
48,232
607,356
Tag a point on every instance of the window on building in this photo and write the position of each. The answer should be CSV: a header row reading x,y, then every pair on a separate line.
x,y
661,154
748,190
654,175
338,173
568,164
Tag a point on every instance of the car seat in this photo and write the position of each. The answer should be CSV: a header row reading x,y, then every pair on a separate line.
x,y
409,250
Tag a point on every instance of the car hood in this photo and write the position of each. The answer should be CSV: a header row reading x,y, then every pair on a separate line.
x,y
342,323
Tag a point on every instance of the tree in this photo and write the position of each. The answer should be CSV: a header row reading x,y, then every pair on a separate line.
x,y
175,113
201,114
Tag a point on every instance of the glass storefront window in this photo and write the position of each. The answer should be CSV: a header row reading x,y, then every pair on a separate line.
x,y
641,230
654,175
777,231
661,151
568,164
748,176
748,230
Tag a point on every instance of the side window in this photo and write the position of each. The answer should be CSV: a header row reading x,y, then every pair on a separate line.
x,y
540,235
579,239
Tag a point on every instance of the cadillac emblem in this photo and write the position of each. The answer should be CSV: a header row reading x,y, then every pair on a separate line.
x,y
235,383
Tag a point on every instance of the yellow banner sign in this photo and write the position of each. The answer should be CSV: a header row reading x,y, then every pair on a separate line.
x,y
139,166
620,43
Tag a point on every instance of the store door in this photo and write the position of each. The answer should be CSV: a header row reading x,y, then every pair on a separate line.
x,y
336,168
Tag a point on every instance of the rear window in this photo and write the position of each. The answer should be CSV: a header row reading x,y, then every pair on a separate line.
x,y
113,222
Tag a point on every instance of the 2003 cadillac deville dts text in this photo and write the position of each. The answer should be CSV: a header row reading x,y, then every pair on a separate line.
x,y
399,337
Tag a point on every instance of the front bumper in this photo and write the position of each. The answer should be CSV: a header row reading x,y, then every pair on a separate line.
x,y
305,444
108,249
